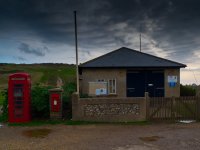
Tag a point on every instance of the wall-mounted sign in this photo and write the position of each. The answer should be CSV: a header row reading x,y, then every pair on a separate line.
x,y
172,80
101,91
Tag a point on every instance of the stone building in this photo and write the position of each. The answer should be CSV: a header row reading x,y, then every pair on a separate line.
x,y
129,73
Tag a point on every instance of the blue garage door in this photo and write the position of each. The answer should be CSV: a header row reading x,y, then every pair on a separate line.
x,y
139,82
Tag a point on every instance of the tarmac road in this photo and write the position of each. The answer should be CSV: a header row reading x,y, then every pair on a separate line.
x,y
102,137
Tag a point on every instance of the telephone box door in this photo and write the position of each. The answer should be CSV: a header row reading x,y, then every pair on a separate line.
x,y
18,96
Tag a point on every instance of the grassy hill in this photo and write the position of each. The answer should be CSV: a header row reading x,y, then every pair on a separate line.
x,y
46,74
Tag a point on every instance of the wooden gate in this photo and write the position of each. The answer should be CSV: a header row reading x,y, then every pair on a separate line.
x,y
181,108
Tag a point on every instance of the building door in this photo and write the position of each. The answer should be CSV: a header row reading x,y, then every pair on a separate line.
x,y
139,82
135,83
155,83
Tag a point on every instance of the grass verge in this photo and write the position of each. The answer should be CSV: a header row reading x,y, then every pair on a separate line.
x,y
72,123
1,98
37,123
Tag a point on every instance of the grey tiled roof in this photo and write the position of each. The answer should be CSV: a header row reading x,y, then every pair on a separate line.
x,y
125,57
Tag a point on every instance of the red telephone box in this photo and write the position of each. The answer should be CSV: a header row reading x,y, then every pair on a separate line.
x,y
19,87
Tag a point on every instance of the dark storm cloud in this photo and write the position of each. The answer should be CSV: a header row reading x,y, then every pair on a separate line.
x,y
176,28
21,58
172,25
35,51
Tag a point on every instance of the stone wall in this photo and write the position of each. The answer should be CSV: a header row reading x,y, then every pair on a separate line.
x,y
109,109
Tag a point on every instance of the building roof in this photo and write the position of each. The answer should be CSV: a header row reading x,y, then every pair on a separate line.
x,y
129,58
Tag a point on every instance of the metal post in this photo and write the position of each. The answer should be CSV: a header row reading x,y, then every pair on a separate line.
x,y
140,43
140,39
147,100
76,43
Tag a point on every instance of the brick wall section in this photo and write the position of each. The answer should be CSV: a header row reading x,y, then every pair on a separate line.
x,y
169,91
109,109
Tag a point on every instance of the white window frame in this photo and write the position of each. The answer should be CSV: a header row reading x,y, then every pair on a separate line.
x,y
113,86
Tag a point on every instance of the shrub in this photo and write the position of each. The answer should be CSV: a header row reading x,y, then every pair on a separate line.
x,y
68,88
187,90
4,115
40,102
1,97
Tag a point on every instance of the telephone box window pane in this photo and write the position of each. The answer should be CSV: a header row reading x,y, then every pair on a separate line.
x,y
18,98
18,90
19,102
18,85
18,106
18,113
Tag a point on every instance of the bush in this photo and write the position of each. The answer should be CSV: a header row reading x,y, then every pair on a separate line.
x,y
68,88
2,97
4,115
40,102
187,90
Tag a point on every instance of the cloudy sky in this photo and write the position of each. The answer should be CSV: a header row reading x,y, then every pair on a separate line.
x,y
41,31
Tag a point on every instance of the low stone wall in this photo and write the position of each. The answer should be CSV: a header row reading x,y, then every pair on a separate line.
x,y
109,109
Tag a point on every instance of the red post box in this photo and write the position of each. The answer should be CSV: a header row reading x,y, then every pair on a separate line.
x,y
19,86
55,103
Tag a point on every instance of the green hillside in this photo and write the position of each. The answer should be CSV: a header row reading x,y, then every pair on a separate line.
x,y
46,74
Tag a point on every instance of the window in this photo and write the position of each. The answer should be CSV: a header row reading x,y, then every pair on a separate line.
x,y
112,86
101,80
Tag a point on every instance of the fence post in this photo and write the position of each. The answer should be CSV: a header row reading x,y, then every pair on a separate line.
x,y
173,104
198,103
147,100
198,107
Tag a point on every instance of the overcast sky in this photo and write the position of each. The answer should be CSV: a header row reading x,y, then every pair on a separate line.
x,y
41,31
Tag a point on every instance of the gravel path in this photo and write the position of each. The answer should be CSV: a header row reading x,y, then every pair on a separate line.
x,y
103,137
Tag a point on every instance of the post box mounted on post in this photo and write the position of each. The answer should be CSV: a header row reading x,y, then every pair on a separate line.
x,y
55,101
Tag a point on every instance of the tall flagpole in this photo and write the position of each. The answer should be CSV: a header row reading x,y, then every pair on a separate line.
x,y
140,39
140,42
76,43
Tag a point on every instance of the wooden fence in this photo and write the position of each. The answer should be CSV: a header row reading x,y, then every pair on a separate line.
x,y
181,108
